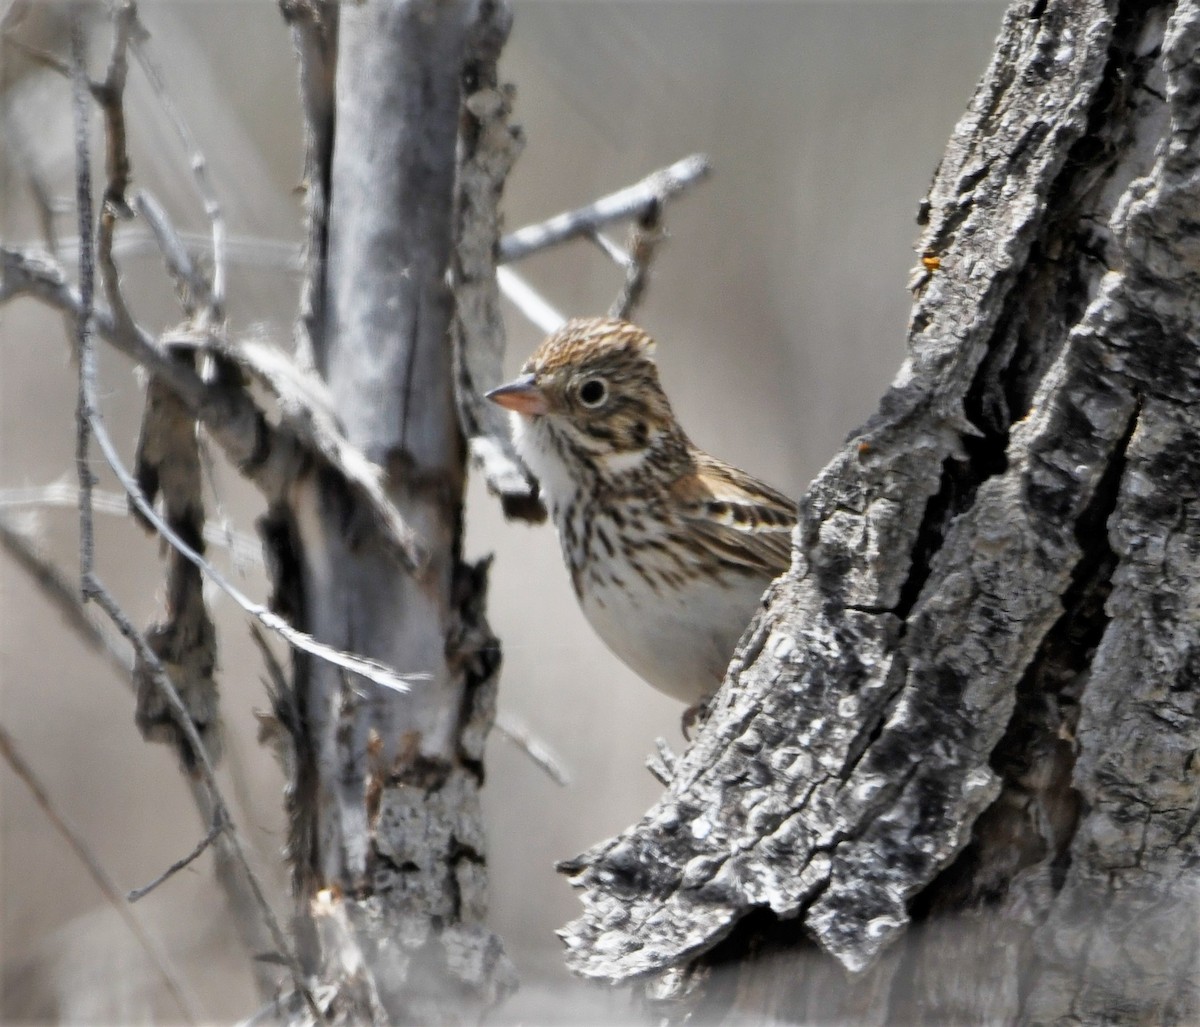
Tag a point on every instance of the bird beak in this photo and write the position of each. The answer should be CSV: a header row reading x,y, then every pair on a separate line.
x,y
521,395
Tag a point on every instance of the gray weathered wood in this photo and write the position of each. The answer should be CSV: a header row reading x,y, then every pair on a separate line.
x,y
490,146
387,842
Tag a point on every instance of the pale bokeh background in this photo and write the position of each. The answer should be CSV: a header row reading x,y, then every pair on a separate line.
x,y
779,304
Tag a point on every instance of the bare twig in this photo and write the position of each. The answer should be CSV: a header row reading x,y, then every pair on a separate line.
x,y
584,222
528,301
199,166
244,251
193,286
647,234
243,549
367,668
90,422
519,734
661,762
83,322
111,98
64,594
611,250
631,202
104,882
139,893
271,456
271,1012
104,599
42,57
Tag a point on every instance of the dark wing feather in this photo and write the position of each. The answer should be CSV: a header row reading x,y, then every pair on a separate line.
x,y
741,520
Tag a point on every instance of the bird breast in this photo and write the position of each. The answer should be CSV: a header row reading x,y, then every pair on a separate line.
x,y
674,625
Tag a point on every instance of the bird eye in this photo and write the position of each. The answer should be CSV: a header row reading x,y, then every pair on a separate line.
x,y
593,392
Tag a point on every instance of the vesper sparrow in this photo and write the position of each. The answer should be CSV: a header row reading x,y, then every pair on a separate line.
x,y
669,549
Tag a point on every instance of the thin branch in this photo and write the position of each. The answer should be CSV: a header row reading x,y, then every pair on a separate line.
x,y
610,249
90,422
199,166
519,734
529,301
117,169
64,595
661,763
139,893
647,234
244,251
44,58
104,882
83,321
370,669
193,286
243,549
271,1012
631,202
584,222
104,599
270,456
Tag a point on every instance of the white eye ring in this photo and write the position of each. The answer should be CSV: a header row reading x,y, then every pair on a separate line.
x,y
593,393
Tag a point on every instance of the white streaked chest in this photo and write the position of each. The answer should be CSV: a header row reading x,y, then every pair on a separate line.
x,y
674,627
672,624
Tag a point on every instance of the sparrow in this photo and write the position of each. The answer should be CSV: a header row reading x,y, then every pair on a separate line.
x,y
669,549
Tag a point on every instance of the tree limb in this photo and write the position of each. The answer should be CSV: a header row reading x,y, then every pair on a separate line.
x,y
634,201
846,756
272,457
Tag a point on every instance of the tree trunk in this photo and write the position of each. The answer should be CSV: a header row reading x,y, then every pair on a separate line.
x,y
387,842
956,754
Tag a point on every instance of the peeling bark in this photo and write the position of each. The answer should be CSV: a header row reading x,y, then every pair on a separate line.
x,y
490,147
970,703
387,842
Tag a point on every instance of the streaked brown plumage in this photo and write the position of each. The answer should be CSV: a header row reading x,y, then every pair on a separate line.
x,y
669,549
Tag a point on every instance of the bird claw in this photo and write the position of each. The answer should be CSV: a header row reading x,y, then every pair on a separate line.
x,y
693,716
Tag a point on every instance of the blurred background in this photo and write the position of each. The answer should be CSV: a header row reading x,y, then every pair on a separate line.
x,y
779,305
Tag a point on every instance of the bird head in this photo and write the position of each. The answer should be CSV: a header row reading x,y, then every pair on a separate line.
x,y
590,397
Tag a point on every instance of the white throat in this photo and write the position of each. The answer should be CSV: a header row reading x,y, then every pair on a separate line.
x,y
533,445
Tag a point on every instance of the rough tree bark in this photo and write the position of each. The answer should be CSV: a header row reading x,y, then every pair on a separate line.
x,y
387,842
951,776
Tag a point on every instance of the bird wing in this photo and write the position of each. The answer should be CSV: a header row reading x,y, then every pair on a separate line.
x,y
743,521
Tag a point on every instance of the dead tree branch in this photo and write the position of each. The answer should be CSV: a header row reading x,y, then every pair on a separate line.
x,y
108,887
635,201
488,149
64,595
193,286
273,457
179,864
243,549
83,320
90,425
645,237
372,670
214,293
543,757
98,593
